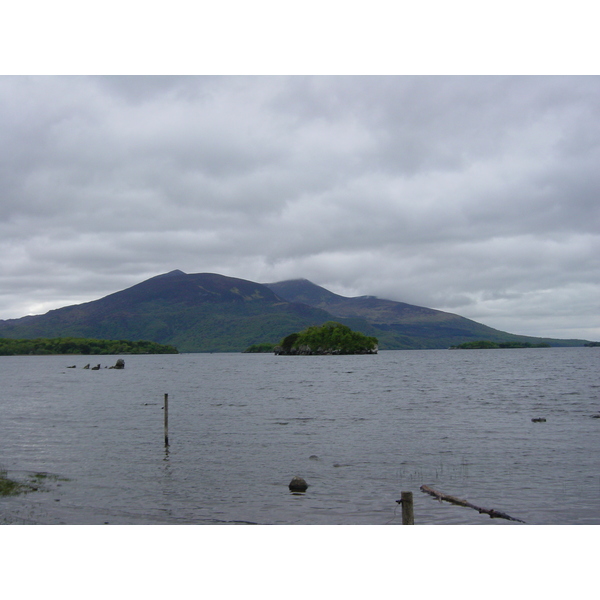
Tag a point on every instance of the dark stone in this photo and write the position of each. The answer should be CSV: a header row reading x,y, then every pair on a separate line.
x,y
539,420
297,484
120,364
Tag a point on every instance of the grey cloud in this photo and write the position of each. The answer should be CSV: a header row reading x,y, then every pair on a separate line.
x,y
477,195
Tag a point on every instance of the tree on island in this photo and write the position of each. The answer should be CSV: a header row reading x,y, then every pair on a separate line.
x,y
329,338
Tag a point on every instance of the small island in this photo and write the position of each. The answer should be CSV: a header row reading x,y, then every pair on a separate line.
x,y
43,346
330,338
487,345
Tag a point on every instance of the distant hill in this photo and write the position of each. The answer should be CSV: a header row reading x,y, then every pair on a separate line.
x,y
400,325
206,312
195,313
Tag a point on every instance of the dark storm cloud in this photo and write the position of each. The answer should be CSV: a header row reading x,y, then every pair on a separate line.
x,y
477,195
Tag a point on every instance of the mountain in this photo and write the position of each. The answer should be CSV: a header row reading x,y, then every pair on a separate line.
x,y
397,324
203,312
206,312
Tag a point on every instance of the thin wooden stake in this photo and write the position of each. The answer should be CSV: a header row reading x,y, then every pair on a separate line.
x,y
408,515
166,419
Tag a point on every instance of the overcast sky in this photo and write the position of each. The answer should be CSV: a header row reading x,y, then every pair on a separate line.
x,y
474,195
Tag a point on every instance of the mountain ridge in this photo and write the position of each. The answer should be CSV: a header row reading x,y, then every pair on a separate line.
x,y
208,312
401,324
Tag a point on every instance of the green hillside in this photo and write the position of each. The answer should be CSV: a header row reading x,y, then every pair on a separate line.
x,y
398,325
206,312
194,313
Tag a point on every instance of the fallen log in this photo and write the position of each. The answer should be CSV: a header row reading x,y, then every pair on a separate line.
x,y
494,514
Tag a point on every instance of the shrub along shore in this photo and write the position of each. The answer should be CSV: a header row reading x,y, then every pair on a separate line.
x,y
487,345
67,345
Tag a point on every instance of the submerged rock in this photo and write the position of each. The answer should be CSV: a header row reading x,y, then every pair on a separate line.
x,y
297,484
119,365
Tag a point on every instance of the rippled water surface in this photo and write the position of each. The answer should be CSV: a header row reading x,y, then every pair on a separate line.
x,y
359,429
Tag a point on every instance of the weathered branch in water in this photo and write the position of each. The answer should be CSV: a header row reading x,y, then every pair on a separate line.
x,y
494,514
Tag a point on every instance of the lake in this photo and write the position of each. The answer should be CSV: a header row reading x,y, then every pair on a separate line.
x,y
359,429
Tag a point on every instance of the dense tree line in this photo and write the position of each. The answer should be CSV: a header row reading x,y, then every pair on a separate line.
x,y
260,348
41,346
330,338
486,345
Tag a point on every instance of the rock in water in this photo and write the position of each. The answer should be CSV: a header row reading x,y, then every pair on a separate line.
x,y
120,364
297,484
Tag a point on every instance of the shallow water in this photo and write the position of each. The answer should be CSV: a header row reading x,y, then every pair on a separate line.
x,y
359,429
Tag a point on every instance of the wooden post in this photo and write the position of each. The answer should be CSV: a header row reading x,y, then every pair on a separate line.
x,y
167,421
494,514
408,516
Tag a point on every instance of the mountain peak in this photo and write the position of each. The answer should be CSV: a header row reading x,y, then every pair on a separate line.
x,y
210,312
304,291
